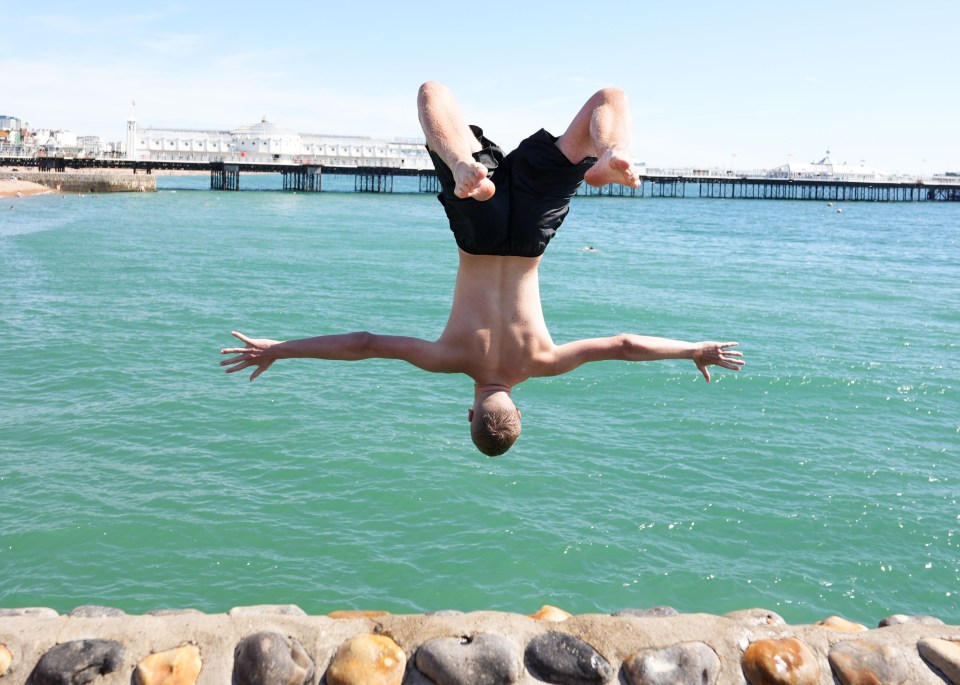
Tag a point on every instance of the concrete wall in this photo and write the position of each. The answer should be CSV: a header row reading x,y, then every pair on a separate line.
x,y
104,182
267,645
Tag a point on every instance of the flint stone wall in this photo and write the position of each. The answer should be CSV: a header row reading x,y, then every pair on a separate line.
x,y
282,645
105,182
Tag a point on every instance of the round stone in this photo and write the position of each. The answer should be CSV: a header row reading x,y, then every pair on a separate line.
x,y
780,662
652,612
271,659
565,659
900,619
32,612
943,654
485,659
267,610
756,617
178,666
859,662
96,611
6,658
842,624
349,614
368,660
687,662
77,662
551,614
174,612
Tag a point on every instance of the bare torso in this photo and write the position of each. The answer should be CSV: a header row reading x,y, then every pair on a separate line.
x,y
496,332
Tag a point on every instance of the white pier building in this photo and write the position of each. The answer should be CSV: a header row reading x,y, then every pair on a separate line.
x,y
267,143
828,169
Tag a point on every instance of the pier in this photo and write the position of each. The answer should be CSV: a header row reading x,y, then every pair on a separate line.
x,y
721,184
836,190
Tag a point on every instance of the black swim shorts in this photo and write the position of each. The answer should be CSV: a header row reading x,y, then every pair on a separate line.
x,y
534,186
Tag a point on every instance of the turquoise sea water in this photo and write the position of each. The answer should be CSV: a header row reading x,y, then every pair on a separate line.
x,y
134,473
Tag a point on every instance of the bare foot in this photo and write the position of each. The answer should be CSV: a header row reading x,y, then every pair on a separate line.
x,y
614,166
472,181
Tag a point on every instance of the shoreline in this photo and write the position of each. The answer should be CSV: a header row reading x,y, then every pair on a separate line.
x,y
20,188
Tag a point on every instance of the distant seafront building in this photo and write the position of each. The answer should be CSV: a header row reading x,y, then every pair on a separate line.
x,y
9,130
268,143
18,139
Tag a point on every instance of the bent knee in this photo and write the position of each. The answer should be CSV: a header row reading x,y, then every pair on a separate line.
x,y
430,90
611,94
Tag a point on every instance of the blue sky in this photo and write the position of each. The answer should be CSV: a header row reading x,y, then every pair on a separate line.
x,y
747,84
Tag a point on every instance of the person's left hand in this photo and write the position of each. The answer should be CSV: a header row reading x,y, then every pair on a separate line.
x,y
256,353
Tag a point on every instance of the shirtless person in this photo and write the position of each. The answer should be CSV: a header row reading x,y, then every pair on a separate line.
x,y
503,211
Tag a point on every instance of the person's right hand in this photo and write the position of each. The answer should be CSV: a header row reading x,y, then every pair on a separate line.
x,y
717,354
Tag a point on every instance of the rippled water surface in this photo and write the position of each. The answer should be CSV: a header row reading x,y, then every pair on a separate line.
x,y
821,480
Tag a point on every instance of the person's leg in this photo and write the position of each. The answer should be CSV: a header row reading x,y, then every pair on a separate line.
x,y
601,129
449,136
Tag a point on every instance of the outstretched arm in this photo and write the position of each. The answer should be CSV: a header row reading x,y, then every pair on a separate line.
x,y
262,352
641,348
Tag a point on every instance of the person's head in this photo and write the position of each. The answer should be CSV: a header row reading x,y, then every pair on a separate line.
x,y
494,423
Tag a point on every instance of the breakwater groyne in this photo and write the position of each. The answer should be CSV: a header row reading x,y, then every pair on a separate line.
x,y
282,645
90,182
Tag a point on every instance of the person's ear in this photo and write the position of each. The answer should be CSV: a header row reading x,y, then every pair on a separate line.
x,y
470,416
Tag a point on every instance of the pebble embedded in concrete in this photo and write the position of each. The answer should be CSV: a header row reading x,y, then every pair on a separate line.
x,y
900,619
268,609
367,660
842,624
687,662
944,655
756,617
652,612
484,659
6,658
77,662
780,662
177,666
859,662
36,612
350,614
551,614
96,611
566,660
268,658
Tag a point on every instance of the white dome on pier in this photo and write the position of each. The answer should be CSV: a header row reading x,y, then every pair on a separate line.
x,y
265,137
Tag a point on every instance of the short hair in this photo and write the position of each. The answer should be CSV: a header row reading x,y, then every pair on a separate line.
x,y
495,430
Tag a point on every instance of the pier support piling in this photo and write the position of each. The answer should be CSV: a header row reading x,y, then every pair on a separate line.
x,y
224,177
373,180
429,183
305,178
